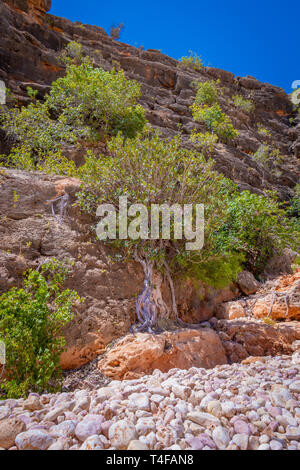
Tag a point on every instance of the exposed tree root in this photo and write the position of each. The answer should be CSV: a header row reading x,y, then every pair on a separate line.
x,y
150,305
63,202
286,298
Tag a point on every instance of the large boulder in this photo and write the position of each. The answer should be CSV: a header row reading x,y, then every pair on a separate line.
x,y
140,354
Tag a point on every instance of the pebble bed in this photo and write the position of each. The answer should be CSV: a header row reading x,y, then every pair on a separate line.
x,y
235,407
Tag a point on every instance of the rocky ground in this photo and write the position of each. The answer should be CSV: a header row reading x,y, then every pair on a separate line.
x,y
250,406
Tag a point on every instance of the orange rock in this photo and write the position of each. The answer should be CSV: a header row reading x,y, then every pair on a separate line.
x,y
286,304
136,355
231,311
76,357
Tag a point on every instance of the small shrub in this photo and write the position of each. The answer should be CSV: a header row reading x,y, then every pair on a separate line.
x,y
263,130
192,61
115,31
215,120
295,203
258,227
206,142
31,321
207,93
247,106
72,54
269,321
269,158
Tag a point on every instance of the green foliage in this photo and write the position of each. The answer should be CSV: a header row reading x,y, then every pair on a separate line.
x,y
207,93
269,158
150,170
295,204
103,101
31,93
247,106
31,322
269,321
88,103
241,229
192,61
263,130
206,142
37,134
72,54
217,271
257,226
215,120
57,164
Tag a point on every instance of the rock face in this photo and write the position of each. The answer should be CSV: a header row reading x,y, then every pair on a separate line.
x,y
244,337
35,9
30,43
283,303
140,354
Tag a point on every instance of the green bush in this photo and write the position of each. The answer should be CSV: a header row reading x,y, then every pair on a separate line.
x,y
103,101
31,321
207,93
206,142
192,61
215,120
88,103
269,158
263,130
257,227
295,203
247,106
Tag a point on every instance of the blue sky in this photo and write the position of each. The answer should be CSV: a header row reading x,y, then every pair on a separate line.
x,y
258,38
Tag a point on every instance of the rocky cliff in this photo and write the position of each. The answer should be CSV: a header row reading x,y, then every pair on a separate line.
x,y
30,43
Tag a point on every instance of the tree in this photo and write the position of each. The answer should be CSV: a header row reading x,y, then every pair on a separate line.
x,y
150,170
115,31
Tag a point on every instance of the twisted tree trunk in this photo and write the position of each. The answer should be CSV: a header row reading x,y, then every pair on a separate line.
x,y
150,305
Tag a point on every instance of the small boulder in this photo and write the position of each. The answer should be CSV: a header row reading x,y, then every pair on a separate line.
x,y
121,434
247,283
9,429
34,439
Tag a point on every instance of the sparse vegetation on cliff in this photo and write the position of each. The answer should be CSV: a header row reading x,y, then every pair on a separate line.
x,y
247,106
192,61
88,103
216,121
